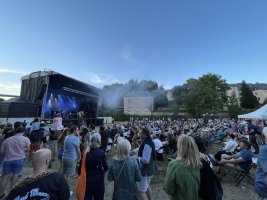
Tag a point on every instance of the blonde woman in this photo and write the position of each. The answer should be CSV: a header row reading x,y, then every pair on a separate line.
x,y
124,171
183,174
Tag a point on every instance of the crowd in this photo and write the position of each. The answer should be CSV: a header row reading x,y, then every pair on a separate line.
x,y
140,146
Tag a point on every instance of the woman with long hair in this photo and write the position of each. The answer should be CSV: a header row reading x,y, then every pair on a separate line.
x,y
183,174
124,171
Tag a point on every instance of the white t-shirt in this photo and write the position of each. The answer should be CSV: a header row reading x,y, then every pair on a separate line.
x,y
158,145
230,146
120,139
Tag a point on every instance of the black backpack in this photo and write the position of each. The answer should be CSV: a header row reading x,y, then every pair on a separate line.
x,y
35,136
210,186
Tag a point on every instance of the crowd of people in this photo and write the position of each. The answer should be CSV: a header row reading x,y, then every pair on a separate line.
x,y
129,153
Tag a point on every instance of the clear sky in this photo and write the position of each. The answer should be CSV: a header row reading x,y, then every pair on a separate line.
x,y
106,41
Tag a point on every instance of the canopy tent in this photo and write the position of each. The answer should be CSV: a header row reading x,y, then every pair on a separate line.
x,y
261,113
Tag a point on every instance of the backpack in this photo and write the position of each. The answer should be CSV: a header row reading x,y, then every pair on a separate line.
x,y
35,136
210,187
55,135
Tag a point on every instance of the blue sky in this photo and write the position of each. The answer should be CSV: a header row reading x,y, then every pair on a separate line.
x,y
106,41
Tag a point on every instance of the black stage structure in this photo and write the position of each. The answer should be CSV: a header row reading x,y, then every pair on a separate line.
x,y
49,92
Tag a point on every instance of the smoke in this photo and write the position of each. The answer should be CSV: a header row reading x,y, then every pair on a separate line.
x,y
113,95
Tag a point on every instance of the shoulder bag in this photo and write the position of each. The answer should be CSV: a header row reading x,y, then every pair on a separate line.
x,y
81,182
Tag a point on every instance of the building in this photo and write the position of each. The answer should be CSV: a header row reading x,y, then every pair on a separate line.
x,y
261,95
138,105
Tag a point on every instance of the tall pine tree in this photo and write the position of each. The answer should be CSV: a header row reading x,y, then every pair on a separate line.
x,y
247,99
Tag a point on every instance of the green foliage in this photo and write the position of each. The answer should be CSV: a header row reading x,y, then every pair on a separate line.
x,y
247,99
177,92
233,108
160,99
206,94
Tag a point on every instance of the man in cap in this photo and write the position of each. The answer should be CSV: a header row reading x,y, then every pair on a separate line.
x,y
261,173
240,161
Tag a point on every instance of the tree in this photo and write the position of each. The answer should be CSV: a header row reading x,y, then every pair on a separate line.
x,y
206,94
160,99
247,99
177,92
149,85
233,108
264,102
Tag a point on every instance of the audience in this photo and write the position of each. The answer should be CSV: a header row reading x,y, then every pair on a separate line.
x,y
150,139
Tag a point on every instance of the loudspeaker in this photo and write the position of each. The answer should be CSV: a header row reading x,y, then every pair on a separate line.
x,y
42,91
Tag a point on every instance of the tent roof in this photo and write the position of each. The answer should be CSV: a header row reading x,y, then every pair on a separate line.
x,y
51,73
261,113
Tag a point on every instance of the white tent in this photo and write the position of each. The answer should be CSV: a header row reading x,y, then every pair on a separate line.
x,y
261,113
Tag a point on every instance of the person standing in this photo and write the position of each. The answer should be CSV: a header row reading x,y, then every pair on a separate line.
x,y
147,162
71,153
13,149
261,173
12,132
183,174
60,146
96,166
56,130
104,138
43,183
124,171
252,131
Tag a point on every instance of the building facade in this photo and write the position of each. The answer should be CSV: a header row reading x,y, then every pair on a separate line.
x,y
138,105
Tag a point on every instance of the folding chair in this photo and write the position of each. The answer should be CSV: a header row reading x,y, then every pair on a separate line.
x,y
241,175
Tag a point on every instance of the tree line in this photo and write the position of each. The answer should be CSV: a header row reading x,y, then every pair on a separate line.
x,y
206,94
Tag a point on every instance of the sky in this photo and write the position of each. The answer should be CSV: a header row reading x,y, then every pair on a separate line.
x,y
101,42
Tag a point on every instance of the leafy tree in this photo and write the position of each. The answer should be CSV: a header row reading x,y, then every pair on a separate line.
x,y
206,94
160,99
233,107
149,85
177,92
247,99
190,96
